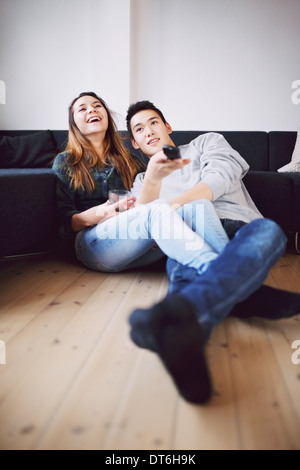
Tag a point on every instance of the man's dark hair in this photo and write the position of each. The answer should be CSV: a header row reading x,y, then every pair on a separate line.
x,y
136,108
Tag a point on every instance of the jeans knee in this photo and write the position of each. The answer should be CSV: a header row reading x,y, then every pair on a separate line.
x,y
205,202
262,237
275,232
157,211
196,210
91,262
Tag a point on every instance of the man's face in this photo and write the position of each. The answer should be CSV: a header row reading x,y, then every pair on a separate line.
x,y
149,132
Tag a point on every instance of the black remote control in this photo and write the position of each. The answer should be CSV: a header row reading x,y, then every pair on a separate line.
x,y
171,152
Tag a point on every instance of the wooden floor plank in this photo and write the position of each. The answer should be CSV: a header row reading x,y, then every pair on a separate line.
x,y
293,261
110,367
265,411
36,396
287,272
145,417
73,378
213,425
281,335
30,279
28,344
26,305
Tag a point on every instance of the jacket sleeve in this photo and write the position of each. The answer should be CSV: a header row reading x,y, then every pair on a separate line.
x,y
222,168
137,185
65,197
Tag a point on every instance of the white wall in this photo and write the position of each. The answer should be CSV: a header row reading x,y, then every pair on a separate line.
x,y
218,64
209,64
51,50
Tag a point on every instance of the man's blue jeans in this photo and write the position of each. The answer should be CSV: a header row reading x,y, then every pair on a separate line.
x,y
237,272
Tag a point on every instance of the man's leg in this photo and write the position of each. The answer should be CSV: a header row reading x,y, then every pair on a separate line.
x,y
237,272
266,302
216,233
202,218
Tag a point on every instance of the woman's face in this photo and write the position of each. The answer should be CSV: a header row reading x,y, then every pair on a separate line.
x,y
90,116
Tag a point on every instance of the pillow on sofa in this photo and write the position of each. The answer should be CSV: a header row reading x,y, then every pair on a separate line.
x,y
294,164
35,150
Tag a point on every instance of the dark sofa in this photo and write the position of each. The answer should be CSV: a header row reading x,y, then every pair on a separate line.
x,y
28,211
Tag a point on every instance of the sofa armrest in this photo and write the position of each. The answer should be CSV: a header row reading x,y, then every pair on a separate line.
x,y
272,193
28,212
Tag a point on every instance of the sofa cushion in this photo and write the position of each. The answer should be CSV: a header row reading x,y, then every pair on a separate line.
x,y
61,139
35,150
273,194
294,164
252,145
295,201
281,147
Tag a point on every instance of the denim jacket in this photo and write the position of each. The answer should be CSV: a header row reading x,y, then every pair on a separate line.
x,y
72,201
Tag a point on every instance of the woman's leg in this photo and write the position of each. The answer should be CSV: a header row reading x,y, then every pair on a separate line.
x,y
114,244
112,254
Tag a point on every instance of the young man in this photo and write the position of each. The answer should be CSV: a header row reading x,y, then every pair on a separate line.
x,y
178,327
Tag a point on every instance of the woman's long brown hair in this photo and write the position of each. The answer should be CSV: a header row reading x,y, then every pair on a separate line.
x,y
82,155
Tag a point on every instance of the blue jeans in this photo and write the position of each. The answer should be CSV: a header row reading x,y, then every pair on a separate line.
x,y
237,272
179,276
192,235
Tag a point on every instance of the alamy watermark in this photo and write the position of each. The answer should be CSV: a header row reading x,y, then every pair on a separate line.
x,y
296,354
2,92
296,94
159,222
2,352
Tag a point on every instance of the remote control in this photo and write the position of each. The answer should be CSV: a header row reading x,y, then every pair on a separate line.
x,y
171,152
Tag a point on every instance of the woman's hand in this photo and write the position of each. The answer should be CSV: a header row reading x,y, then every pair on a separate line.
x,y
123,204
108,210
97,214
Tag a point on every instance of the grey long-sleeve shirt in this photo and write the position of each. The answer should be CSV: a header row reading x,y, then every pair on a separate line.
x,y
217,164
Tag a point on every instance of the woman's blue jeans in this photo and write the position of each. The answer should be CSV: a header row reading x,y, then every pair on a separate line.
x,y
193,235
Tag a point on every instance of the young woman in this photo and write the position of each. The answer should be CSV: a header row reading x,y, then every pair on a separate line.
x,y
94,162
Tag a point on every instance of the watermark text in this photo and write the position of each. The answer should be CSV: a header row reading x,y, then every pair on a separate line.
x,y
159,222
296,94
296,354
2,92
2,352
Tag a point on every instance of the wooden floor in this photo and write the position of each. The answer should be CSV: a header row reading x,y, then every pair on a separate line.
x,y
74,380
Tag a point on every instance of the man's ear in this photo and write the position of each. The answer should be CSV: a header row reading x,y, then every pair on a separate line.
x,y
134,144
169,128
